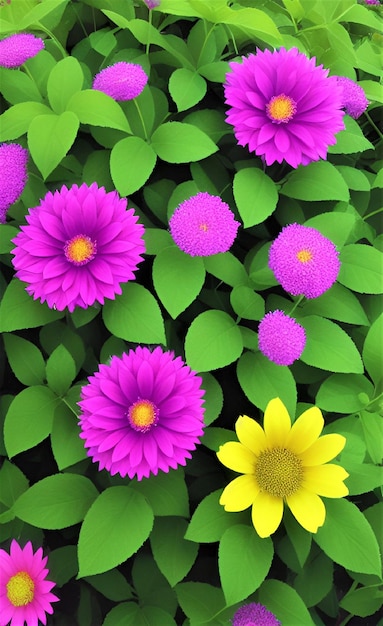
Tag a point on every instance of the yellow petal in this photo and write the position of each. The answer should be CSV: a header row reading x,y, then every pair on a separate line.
x,y
305,430
237,457
240,493
250,434
276,423
323,449
308,509
326,480
266,513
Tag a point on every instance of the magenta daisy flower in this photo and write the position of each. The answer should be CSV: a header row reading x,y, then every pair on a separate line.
x,y
280,338
18,48
142,413
13,175
354,100
25,594
203,225
121,81
304,262
79,246
283,106
254,615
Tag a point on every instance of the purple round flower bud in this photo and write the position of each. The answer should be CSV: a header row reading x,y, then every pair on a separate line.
x,y
121,81
18,48
354,100
254,615
280,338
13,175
152,4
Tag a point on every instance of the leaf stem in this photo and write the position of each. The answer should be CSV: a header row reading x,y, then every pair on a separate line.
x,y
365,217
141,118
296,304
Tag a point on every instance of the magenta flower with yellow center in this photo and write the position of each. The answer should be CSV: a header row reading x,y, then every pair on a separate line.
x,y
283,464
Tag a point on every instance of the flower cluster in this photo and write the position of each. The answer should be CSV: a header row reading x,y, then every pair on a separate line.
x,y
17,49
13,175
121,81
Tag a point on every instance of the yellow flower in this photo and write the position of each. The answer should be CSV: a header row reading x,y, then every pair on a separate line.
x,y
283,463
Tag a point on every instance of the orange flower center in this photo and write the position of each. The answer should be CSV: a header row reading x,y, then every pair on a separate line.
x,y
281,109
20,589
142,415
204,227
80,250
279,472
304,256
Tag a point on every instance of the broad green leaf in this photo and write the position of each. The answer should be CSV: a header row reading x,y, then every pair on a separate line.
x,y
103,41
285,603
13,483
328,347
213,398
212,341
97,109
57,501
363,477
200,601
175,294
351,139
226,267
246,303
372,425
63,564
61,370
150,584
344,393
65,79
214,437
114,528
173,554
135,315
335,226
244,560
361,268
315,580
210,520
29,419
355,179
348,539
15,121
186,88
156,240
363,601
130,614
179,142
49,139
255,195
18,87
319,180
254,22
18,310
67,447
299,538
113,585
132,161
8,232
39,12
25,359
167,494
338,303
262,380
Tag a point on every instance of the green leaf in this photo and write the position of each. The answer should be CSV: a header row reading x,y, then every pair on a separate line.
x,y
255,23
363,601
372,425
214,437
315,580
130,614
364,477
210,520
179,142
186,88
15,121
57,501
113,585
18,310
63,564
114,528
8,232
338,303
246,303
150,585
335,226
29,419
61,370
156,239
135,316
65,79
166,493
67,447
355,179
328,347
226,267
341,393
13,483
49,139
262,380
361,268
213,398
319,180
132,161
39,12
348,539
97,109
25,359
255,195
175,294
351,139
18,87
212,341
285,603
173,554
299,538
244,560
200,601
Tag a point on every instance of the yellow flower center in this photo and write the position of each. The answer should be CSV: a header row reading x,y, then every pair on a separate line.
x,y
80,250
281,108
279,472
204,227
142,415
304,256
20,589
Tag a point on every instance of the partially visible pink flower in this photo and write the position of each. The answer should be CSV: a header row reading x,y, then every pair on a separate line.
x,y
121,81
13,175
372,2
152,4
79,246
354,99
142,413
283,107
280,338
25,594
304,261
203,225
18,48
254,614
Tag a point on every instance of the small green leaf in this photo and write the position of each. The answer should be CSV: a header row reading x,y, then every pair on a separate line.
x,y
285,603
173,554
65,79
179,142
338,303
351,139
372,425
226,267
363,601
210,520
25,359
319,180
18,310
335,226
212,341
255,195
360,268
340,393
113,585
315,580
49,139
61,370
13,483
132,161
17,87
130,614
166,493
67,447
246,303
63,564
372,350
97,109
15,121
213,398
186,88
200,601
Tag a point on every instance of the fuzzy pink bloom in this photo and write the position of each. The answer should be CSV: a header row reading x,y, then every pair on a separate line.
x,y
254,615
354,99
372,2
25,594
283,106
121,81
304,262
152,4
79,246
280,338
203,225
17,49
13,175
142,413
